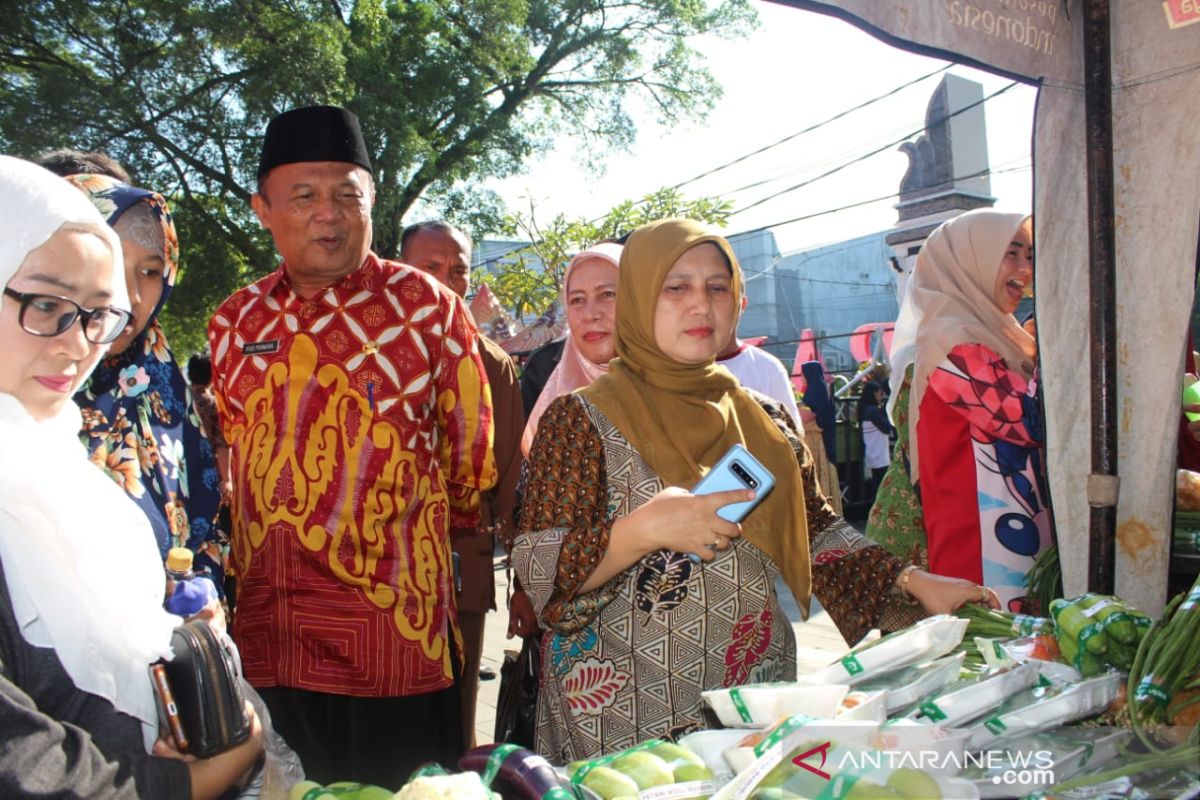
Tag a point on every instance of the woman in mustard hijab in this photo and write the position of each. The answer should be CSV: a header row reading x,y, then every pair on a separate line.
x,y
649,597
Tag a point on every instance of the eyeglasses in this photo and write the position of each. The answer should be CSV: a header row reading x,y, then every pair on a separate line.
x,y
49,315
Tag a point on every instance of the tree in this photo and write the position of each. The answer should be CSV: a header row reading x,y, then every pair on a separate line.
x,y
528,279
448,91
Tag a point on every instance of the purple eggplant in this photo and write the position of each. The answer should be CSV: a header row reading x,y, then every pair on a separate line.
x,y
517,773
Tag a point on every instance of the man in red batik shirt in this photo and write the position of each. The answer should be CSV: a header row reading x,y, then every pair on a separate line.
x,y
359,422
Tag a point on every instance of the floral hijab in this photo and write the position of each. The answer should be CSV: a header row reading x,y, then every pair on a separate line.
x,y
139,424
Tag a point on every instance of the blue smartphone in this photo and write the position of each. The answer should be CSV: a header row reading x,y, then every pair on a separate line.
x,y
737,469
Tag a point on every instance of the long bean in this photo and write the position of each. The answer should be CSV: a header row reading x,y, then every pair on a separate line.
x,y
1180,756
1165,665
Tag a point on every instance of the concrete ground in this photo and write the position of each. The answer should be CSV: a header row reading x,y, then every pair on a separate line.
x,y
818,643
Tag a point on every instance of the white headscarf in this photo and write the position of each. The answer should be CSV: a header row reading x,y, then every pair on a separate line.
x,y
949,301
80,561
573,370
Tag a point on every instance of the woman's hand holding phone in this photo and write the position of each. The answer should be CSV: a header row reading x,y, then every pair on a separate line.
x,y
674,519
678,520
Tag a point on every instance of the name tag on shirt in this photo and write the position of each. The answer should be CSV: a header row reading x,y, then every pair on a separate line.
x,y
256,348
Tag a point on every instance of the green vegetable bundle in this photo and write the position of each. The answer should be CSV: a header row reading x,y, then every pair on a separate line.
x,y
1164,683
993,624
1097,630
1043,582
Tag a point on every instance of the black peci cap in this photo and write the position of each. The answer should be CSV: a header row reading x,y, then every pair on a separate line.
x,y
313,133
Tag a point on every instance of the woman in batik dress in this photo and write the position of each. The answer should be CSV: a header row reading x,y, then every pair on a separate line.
x,y
647,596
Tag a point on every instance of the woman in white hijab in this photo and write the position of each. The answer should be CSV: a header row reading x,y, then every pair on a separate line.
x,y
964,493
81,584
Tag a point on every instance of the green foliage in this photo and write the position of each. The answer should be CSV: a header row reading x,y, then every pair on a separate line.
x,y
530,278
449,92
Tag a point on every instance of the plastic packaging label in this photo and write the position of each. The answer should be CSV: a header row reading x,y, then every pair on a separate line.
x,y
736,697
1148,689
852,665
1096,608
931,710
674,790
781,732
494,761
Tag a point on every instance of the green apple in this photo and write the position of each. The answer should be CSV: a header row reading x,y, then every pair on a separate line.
x,y
610,784
370,792
914,784
646,769
686,765
304,790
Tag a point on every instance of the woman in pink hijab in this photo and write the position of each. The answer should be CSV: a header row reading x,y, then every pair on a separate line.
x,y
590,297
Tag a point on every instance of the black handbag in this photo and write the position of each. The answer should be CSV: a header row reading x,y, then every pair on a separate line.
x,y
206,688
516,705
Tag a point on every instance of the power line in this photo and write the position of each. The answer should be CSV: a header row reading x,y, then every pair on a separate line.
x,y
860,203
788,138
865,156
813,127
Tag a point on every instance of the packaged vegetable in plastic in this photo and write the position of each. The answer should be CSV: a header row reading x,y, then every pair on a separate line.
x,y
1045,707
803,768
710,745
939,750
965,700
1074,626
862,705
1020,765
760,705
665,769
516,773
1096,629
753,745
998,624
929,638
913,684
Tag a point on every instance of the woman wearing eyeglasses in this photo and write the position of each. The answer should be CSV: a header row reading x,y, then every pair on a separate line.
x,y
80,578
139,423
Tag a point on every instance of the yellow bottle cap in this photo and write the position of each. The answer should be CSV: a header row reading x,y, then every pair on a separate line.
x,y
179,559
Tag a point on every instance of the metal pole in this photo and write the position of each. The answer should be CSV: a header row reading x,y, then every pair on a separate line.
x,y
1102,485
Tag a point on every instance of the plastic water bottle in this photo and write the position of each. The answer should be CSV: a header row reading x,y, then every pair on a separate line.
x,y
187,592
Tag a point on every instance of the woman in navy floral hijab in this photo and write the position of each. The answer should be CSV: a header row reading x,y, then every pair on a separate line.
x,y
139,424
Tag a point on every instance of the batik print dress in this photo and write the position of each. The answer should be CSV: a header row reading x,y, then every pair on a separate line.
x,y
628,661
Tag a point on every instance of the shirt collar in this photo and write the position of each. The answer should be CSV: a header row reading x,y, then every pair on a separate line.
x,y
278,284
741,348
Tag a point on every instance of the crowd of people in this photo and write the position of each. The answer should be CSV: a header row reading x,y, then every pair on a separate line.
x,y
351,449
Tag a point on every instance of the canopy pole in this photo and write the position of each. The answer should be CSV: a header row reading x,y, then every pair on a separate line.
x,y
1102,521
